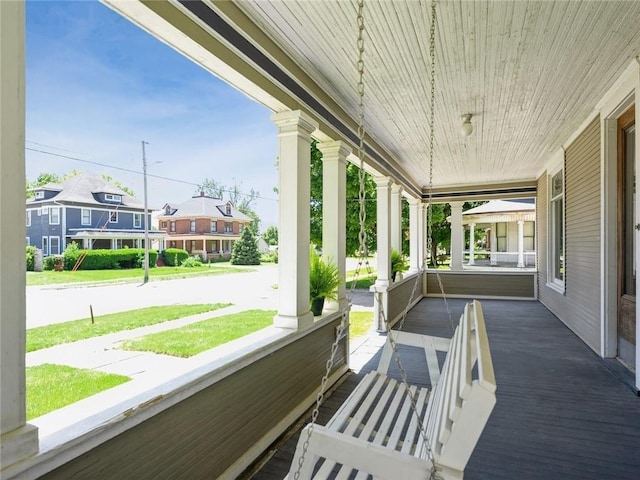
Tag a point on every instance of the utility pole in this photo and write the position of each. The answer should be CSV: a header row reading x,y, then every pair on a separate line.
x,y
146,216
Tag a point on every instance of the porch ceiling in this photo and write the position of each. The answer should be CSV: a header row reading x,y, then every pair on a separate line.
x,y
530,72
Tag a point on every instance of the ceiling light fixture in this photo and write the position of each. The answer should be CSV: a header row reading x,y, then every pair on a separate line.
x,y
467,128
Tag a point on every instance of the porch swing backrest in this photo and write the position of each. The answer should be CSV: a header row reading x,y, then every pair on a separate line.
x,y
375,431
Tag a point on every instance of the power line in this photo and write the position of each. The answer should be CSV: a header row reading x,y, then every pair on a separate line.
x,y
160,177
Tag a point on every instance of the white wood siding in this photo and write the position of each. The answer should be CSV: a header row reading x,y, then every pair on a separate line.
x,y
579,307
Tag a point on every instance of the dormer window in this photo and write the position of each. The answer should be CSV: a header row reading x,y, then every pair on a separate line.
x,y
167,210
228,209
39,195
109,197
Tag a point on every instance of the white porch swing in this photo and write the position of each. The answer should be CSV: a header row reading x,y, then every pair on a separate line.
x,y
388,429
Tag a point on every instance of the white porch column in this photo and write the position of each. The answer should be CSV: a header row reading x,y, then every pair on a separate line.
x,y
396,218
494,244
457,234
334,211
416,235
423,212
383,219
520,243
19,440
294,134
472,247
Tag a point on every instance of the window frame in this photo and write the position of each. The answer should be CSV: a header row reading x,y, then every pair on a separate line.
x,y
54,220
38,195
172,226
28,219
192,226
113,214
138,223
57,239
45,246
82,215
556,246
110,197
214,226
228,227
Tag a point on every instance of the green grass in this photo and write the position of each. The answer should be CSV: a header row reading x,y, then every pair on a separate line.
x,y
201,336
360,323
362,282
50,335
363,272
126,275
50,387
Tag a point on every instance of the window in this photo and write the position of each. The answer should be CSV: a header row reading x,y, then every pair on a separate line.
x,y
214,226
28,219
163,224
86,216
39,195
45,210
240,227
192,228
556,229
112,198
501,237
54,216
228,227
28,241
228,209
54,245
113,217
137,220
45,246
173,226
529,236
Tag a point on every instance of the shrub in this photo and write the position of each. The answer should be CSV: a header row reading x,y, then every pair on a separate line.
x,y
245,251
108,259
173,257
30,256
192,262
49,263
270,257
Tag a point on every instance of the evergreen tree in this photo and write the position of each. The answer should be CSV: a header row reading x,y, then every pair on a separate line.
x,y
245,250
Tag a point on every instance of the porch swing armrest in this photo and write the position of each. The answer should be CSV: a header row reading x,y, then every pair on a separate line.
x,y
342,449
430,344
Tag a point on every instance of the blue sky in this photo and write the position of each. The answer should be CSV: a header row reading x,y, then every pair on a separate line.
x,y
97,86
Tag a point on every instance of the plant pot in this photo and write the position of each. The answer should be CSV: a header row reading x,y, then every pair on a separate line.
x,y
393,276
317,304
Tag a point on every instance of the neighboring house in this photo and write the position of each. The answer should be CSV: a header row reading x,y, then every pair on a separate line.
x,y
510,230
203,226
88,210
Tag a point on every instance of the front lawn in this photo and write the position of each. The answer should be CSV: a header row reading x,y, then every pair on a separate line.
x,y
56,334
202,336
51,277
360,322
50,387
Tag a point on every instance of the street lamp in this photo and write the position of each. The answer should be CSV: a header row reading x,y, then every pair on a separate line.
x,y
146,216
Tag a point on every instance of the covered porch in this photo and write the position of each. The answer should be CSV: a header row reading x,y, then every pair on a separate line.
x,y
560,411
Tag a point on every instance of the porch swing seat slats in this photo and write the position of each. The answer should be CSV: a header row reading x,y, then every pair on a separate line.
x,y
376,433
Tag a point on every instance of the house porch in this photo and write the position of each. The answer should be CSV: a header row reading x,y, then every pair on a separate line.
x,y
560,411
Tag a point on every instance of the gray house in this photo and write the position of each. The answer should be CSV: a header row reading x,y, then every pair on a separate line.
x,y
86,209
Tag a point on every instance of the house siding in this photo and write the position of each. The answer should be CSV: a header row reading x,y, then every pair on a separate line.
x,y
579,306
203,435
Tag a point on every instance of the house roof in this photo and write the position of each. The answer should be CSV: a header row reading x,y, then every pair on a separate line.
x,y
83,188
203,206
502,206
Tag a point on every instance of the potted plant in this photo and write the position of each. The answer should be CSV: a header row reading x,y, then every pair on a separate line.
x,y
324,280
398,264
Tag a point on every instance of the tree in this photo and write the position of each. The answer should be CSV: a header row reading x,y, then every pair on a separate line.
x,y
352,207
271,235
243,201
124,188
46,177
245,250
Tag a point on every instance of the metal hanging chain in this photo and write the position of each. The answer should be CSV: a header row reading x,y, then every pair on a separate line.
x,y
362,237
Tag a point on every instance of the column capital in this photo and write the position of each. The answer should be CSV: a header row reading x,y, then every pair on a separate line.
x,y
382,182
456,204
334,150
294,121
520,222
413,201
396,189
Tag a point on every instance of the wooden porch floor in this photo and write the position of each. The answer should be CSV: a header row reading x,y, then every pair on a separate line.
x,y
560,413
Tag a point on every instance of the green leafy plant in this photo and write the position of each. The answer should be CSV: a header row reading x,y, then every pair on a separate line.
x,y
30,257
173,257
398,263
324,279
192,262
245,250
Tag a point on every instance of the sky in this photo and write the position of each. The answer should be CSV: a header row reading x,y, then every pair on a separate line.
x,y
97,86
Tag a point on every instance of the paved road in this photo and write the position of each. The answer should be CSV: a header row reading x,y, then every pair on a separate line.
x,y
255,289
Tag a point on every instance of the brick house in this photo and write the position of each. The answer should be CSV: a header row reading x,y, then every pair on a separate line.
x,y
203,226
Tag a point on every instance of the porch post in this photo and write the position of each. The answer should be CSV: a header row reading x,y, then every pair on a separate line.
x,y
472,247
416,235
396,217
456,235
383,219
494,244
19,440
294,134
520,243
334,211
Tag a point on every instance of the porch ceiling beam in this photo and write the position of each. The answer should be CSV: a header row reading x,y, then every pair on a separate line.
x,y
465,193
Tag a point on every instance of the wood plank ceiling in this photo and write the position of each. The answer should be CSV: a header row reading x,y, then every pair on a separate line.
x,y
530,72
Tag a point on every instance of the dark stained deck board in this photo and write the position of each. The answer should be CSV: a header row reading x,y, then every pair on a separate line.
x,y
560,412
